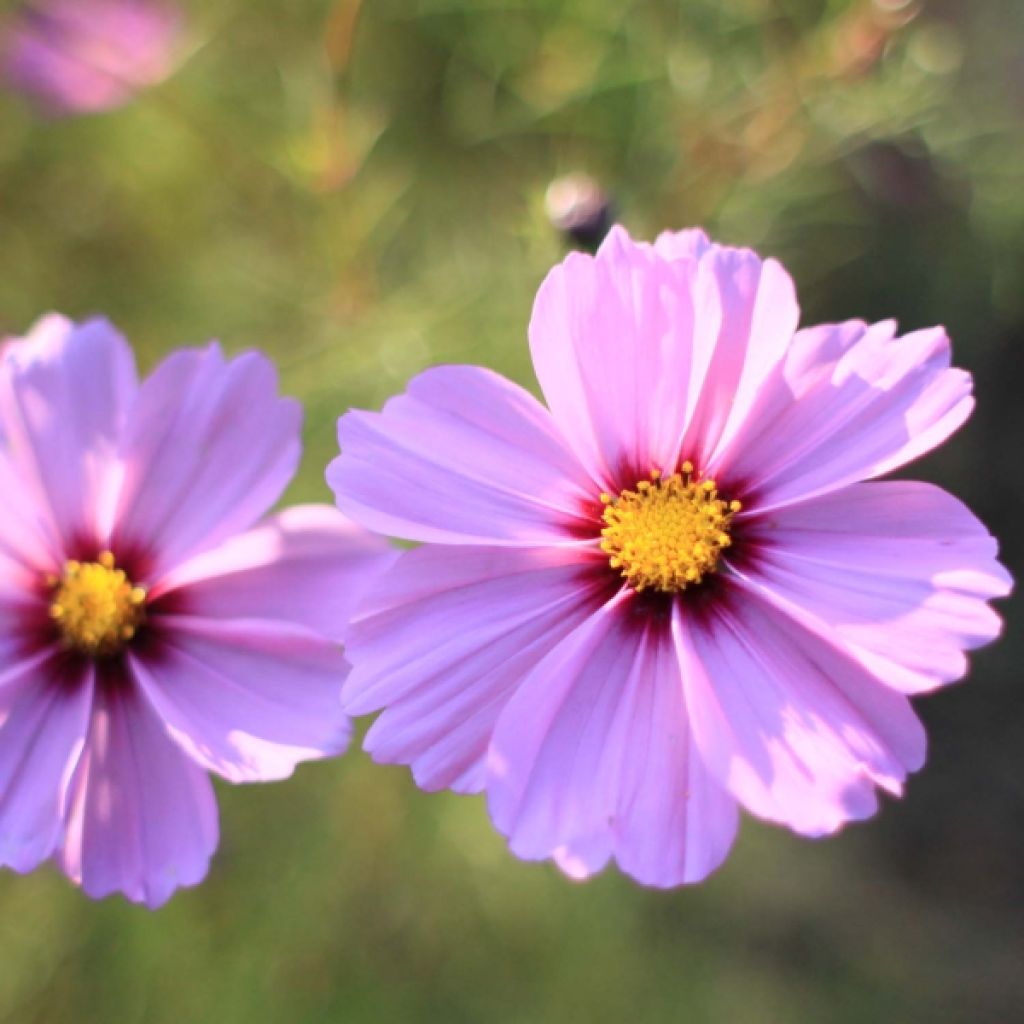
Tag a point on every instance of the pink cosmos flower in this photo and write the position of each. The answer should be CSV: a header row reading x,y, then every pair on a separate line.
x,y
87,56
669,591
149,632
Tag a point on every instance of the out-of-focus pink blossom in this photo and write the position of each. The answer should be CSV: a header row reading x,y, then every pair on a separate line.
x,y
87,56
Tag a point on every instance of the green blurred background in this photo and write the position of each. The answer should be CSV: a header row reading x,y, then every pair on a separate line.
x,y
358,190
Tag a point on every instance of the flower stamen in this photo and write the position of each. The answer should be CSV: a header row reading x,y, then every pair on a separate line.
x,y
669,532
96,607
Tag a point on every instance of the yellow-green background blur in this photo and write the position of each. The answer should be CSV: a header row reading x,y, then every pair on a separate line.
x,y
357,190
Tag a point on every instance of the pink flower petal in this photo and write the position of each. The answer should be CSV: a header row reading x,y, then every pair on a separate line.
x,y
759,315
22,609
612,339
444,638
141,817
900,571
675,823
464,455
647,354
585,857
248,699
691,243
30,544
308,565
209,448
43,722
64,394
849,402
596,743
797,729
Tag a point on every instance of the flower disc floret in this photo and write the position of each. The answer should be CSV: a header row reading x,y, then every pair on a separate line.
x,y
669,532
96,607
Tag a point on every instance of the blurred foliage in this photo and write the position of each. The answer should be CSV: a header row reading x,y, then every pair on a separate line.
x,y
358,190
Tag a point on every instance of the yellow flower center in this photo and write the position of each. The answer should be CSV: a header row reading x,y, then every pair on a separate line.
x,y
669,532
96,608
